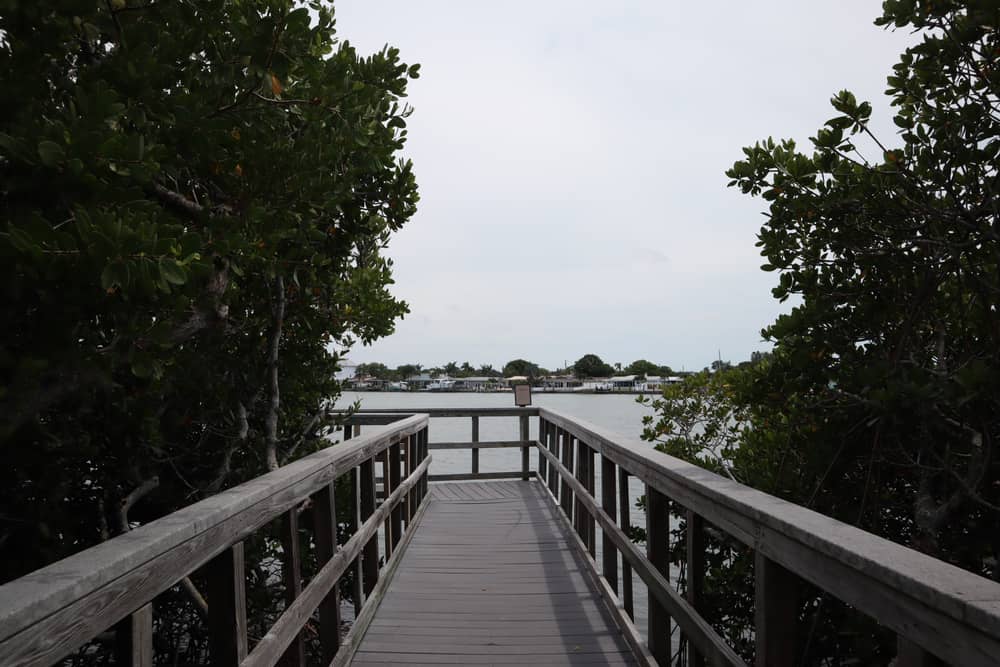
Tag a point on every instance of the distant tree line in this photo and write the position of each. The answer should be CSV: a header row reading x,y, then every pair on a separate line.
x,y
587,366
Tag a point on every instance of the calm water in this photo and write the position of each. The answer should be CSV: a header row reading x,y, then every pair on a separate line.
x,y
618,413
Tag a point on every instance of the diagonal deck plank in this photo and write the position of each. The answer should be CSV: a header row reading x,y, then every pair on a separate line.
x,y
490,578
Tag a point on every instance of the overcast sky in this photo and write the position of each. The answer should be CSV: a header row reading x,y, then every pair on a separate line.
x,y
571,157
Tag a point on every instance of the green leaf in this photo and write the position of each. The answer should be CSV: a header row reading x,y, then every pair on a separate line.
x,y
50,152
172,271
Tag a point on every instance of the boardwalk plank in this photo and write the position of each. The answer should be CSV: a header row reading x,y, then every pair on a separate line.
x,y
490,578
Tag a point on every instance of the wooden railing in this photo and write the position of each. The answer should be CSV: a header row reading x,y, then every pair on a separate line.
x,y
939,612
52,612
382,417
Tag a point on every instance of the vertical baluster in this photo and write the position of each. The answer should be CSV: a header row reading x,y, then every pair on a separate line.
x,y
695,565
387,489
475,450
554,445
543,468
369,559
357,591
776,613
608,504
227,608
396,514
325,516
657,551
411,465
580,511
291,572
590,523
567,491
423,455
525,450
134,638
625,522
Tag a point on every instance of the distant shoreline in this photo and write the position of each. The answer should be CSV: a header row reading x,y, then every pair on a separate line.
x,y
534,391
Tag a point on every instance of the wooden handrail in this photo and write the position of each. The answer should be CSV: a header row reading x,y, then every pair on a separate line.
x,y
949,612
49,613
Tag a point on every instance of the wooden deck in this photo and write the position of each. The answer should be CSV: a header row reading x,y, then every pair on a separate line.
x,y
492,577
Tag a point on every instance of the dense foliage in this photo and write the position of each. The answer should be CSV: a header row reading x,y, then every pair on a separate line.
x,y
195,198
881,402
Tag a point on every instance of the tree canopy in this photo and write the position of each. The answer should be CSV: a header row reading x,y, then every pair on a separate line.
x,y
590,366
196,197
522,367
880,404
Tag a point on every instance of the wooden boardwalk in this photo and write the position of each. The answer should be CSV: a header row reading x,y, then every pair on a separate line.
x,y
491,578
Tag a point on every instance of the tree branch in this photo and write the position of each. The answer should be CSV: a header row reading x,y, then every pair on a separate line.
x,y
271,420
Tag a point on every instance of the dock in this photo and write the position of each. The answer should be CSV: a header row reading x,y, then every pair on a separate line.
x,y
491,577
535,566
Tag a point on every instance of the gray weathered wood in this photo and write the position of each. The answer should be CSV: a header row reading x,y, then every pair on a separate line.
x,y
525,449
699,631
363,621
227,609
776,613
695,573
325,517
320,588
466,477
949,612
134,639
357,591
49,613
625,509
396,516
369,559
475,439
609,555
492,444
658,553
291,573
454,412
477,588
542,463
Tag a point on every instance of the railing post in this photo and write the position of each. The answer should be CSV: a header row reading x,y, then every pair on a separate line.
x,y
475,450
325,515
525,450
608,504
291,572
658,553
227,608
134,638
695,573
369,559
776,613
625,522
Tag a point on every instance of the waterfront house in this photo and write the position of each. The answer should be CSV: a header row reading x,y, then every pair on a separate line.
x,y
557,382
624,383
